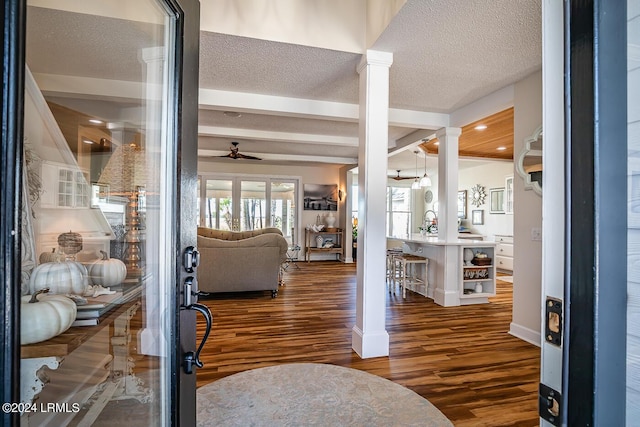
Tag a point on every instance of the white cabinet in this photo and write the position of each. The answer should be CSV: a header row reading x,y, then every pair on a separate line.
x,y
504,252
478,278
508,195
63,187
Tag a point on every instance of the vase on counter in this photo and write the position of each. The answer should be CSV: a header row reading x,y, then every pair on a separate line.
x,y
330,220
319,241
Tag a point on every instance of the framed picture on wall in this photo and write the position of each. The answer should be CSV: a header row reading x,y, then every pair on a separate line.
x,y
320,197
477,217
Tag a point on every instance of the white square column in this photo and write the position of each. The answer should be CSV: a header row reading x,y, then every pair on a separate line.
x,y
448,183
446,292
369,336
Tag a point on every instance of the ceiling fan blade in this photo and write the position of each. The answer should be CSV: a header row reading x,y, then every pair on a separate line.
x,y
400,178
245,156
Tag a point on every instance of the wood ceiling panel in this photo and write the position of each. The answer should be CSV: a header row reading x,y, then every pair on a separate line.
x,y
483,143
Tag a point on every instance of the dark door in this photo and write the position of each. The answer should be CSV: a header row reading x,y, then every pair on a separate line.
x,y
100,191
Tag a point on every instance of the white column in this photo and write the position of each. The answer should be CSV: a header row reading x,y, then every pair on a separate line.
x,y
152,339
448,183
446,292
369,337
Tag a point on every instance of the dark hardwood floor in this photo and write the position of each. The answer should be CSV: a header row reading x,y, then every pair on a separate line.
x,y
462,359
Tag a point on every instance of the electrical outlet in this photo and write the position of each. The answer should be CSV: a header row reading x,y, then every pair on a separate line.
x,y
536,234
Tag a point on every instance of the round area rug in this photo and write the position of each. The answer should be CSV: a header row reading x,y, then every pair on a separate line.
x,y
312,394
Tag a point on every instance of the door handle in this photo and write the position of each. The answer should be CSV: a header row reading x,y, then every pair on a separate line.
x,y
191,358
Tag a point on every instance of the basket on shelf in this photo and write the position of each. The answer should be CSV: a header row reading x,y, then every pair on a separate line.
x,y
476,273
481,261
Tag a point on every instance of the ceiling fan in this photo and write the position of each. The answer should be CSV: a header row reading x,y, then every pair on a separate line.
x,y
235,154
400,178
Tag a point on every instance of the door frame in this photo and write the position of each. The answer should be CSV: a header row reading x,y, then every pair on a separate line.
x,y
13,69
594,362
183,386
589,366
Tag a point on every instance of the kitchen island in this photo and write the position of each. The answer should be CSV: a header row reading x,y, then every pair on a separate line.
x,y
454,276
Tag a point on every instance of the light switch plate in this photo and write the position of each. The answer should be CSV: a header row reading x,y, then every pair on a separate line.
x,y
536,234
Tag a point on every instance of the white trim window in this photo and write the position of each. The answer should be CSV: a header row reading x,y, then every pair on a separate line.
x,y
399,215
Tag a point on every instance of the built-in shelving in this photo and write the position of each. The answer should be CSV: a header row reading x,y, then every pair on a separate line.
x,y
487,281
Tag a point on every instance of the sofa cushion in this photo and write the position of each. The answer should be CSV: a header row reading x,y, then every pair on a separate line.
x,y
236,235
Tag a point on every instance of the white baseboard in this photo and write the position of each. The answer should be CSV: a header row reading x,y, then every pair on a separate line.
x,y
525,334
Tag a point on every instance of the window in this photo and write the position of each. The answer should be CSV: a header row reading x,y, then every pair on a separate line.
x,y
249,203
398,211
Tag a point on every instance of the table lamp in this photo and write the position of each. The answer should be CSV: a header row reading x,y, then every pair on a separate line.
x,y
125,175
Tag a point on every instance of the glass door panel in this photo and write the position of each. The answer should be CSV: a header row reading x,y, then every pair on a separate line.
x,y
283,204
253,212
242,204
219,205
108,348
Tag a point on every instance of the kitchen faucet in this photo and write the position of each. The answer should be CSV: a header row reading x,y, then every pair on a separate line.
x,y
432,225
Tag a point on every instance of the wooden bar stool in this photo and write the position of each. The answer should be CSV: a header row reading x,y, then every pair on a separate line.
x,y
392,270
408,274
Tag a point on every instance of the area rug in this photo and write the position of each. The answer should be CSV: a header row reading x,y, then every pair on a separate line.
x,y
312,394
505,278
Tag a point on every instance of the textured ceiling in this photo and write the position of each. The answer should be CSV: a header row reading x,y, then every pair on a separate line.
x,y
447,54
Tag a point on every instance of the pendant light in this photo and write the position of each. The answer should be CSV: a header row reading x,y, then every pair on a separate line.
x,y
416,183
425,181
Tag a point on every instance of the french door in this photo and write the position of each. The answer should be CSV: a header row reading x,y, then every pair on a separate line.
x,y
249,203
99,173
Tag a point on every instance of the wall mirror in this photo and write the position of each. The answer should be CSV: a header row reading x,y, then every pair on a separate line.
x,y
529,164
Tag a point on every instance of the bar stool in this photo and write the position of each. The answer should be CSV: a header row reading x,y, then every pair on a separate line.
x,y
408,274
392,270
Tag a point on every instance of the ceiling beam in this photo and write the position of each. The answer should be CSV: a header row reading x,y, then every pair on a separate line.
x,y
222,100
263,135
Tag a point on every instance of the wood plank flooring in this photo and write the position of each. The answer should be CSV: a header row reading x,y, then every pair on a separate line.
x,y
461,359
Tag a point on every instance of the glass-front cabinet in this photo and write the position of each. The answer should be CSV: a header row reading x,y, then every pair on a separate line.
x,y
106,148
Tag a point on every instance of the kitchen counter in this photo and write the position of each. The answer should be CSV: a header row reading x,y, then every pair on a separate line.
x,y
447,273
466,239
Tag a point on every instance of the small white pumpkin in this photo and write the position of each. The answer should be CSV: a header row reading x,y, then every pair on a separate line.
x,y
107,271
45,316
52,256
68,277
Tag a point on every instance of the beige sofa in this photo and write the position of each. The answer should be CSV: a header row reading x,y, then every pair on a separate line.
x,y
240,261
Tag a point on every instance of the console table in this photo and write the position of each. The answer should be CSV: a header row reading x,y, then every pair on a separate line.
x,y
311,244
84,362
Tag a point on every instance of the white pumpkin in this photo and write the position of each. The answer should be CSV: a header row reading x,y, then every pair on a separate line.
x,y
67,277
45,316
107,272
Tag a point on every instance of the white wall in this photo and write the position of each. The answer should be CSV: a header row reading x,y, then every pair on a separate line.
x,y
633,237
527,257
490,175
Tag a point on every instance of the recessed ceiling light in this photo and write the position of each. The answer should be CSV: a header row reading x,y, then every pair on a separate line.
x,y
96,121
87,141
480,127
501,148
233,114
